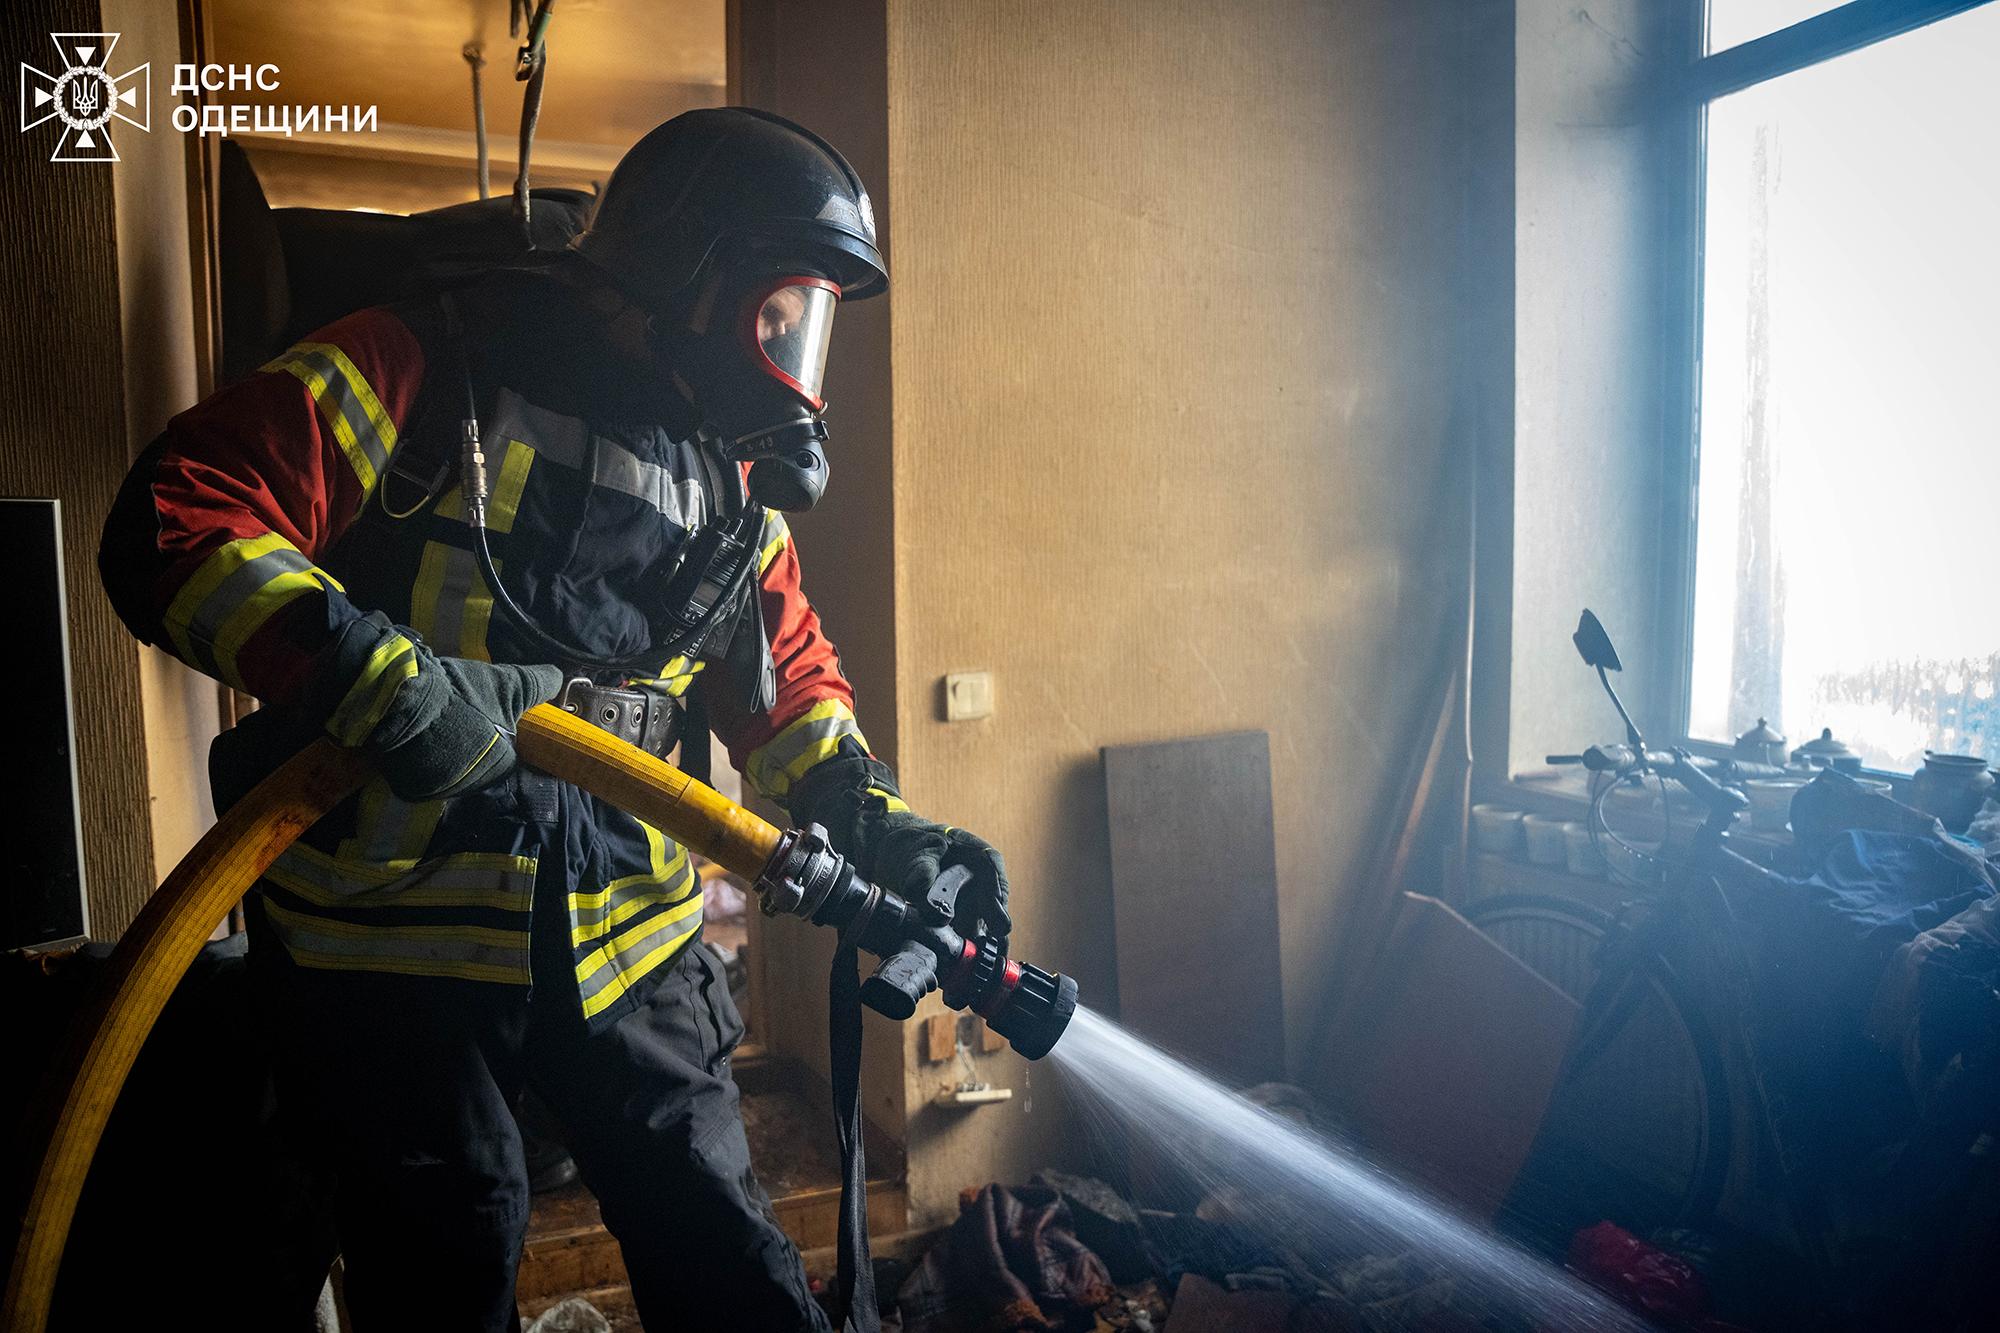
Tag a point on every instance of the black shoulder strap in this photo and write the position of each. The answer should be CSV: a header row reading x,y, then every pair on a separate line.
x,y
421,467
694,734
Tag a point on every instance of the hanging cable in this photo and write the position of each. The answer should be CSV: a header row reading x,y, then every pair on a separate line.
x,y
530,66
475,56
531,111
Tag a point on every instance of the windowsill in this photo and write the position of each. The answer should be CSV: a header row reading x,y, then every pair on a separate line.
x,y
1564,793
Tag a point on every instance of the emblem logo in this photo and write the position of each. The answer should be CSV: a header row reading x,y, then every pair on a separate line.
x,y
85,97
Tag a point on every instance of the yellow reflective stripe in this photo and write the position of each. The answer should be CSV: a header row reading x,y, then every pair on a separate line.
x,y
389,829
463,879
424,592
625,911
379,873
208,576
206,579
363,391
450,605
625,974
509,484
477,619
890,801
674,677
776,530
393,662
590,964
656,846
810,738
320,386
481,936
580,935
473,953
232,593
663,873
360,424
250,617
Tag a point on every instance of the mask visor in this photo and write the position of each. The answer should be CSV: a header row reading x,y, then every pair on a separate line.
x,y
788,328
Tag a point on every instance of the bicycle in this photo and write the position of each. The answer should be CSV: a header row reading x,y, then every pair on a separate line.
x,y
1664,1084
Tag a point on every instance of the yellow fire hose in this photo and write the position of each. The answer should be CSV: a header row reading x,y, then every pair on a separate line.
x,y
154,954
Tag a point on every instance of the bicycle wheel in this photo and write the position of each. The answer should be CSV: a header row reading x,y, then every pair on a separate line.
x,y
1641,1130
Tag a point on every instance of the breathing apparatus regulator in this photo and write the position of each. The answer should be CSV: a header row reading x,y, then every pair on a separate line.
x,y
738,233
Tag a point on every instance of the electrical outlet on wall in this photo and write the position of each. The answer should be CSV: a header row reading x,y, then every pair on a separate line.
x,y
968,696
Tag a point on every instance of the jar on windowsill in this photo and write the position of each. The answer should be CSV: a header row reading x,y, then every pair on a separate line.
x,y
1952,787
1762,744
1823,751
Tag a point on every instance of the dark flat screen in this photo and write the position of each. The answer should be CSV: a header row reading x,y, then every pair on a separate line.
x,y
42,854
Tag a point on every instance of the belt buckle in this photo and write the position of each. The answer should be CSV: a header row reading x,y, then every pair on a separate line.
x,y
567,700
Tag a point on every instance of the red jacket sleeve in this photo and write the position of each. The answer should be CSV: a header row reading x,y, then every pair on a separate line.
x,y
248,491
814,709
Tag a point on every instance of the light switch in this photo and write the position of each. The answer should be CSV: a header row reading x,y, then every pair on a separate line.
x,y
968,695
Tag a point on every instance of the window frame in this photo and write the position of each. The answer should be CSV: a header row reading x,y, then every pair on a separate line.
x,y
1701,80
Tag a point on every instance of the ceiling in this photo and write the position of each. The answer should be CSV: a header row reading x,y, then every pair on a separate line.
x,y
616,69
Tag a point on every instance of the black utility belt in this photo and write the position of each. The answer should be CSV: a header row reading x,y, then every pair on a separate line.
x,y
645,718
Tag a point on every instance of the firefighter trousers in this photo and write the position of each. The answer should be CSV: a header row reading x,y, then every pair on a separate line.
x,y
400,1090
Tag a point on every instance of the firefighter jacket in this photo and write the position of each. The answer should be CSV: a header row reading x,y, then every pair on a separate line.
x,y
272,539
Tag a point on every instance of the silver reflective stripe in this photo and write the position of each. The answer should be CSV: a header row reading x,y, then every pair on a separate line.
x,y
616,469
388,828
445,630
815,735
595,922
554,436
594,915
465,879
331,377
608,972
467,952
205,626
565,440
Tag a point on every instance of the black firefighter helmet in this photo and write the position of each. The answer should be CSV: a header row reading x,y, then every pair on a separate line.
x,y
738,232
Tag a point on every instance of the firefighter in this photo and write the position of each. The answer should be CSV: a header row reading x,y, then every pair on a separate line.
x,y
327,536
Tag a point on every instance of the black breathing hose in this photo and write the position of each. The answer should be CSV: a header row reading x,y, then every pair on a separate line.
x,y
643,663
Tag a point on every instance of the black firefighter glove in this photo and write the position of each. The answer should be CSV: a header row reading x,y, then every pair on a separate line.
x,y
464,739
913,852
449,728
854,797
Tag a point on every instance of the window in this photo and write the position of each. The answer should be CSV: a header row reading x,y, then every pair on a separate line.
x,y
1734,22
1846,549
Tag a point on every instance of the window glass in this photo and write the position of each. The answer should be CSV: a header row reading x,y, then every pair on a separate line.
x,y
1733,22
1847,552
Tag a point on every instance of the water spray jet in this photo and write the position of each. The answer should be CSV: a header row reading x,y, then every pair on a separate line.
x,y
1304,1196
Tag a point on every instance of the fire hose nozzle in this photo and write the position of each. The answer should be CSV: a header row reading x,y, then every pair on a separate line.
x,y
1028,1005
